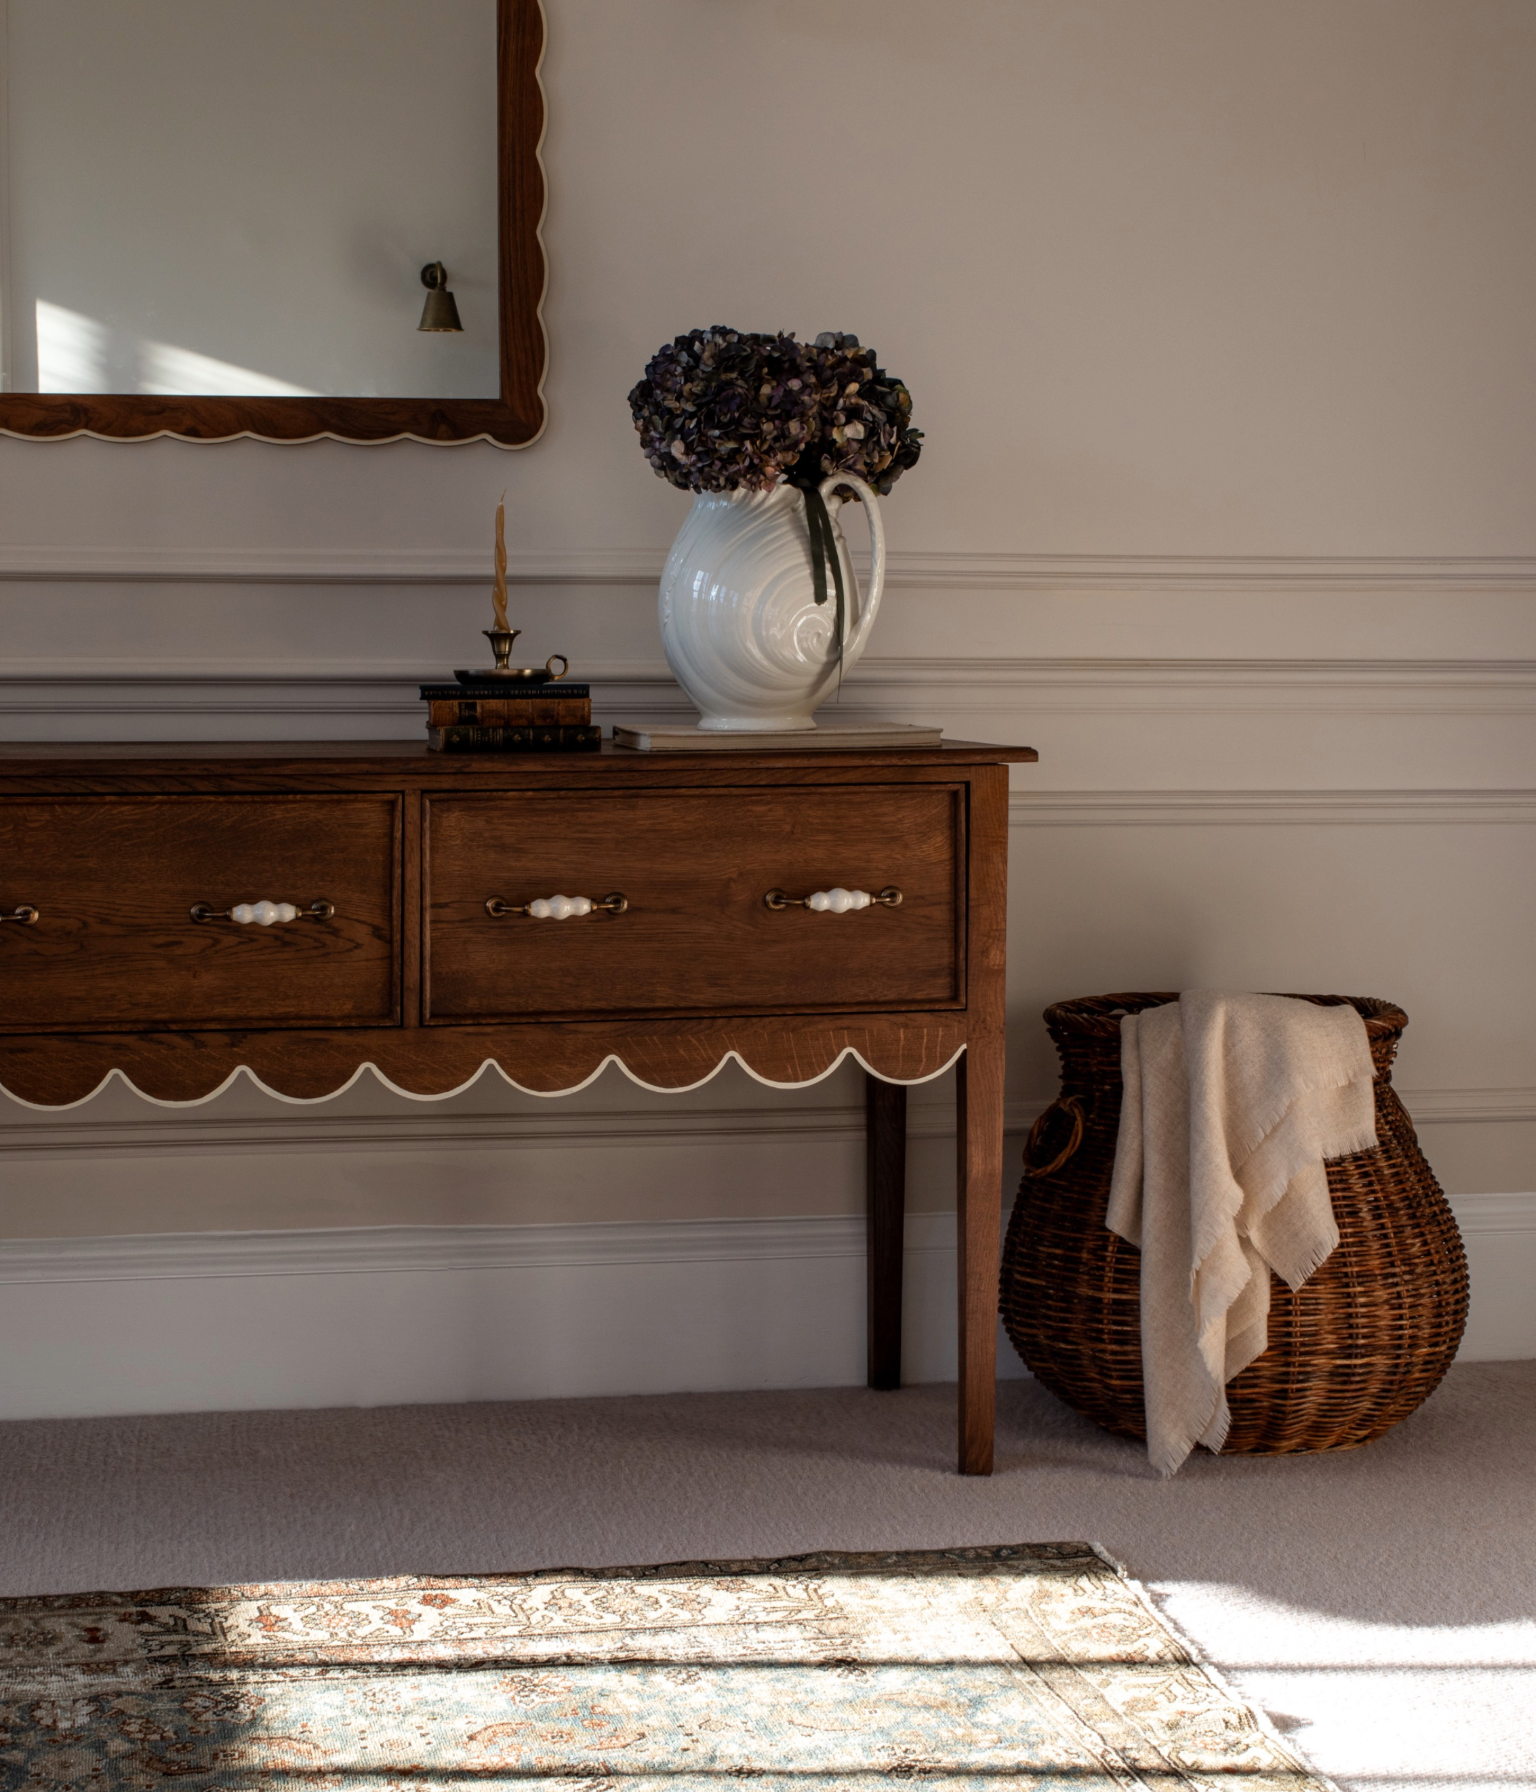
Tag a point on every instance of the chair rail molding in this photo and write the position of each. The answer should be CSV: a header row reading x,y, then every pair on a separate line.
x,y
362,1250
642,566
395,1250
381,700
664,1126
1268,808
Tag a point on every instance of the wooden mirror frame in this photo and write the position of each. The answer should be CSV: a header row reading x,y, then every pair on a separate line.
x,y
512,421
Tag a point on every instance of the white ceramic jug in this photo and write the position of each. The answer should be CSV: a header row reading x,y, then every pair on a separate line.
x,y
740,624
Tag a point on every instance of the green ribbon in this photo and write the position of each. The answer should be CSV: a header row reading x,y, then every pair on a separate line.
x,y
824,554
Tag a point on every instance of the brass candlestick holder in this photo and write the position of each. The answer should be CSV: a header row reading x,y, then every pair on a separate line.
x,y
501,640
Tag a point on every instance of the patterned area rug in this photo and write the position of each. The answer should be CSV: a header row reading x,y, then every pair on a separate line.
x,y
1038,1666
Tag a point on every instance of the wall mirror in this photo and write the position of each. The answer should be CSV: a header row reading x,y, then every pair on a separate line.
x,y
217,216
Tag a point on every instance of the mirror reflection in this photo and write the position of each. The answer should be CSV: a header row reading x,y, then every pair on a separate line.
x,y
242,197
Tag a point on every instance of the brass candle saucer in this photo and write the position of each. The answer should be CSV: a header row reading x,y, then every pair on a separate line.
x,y
501,640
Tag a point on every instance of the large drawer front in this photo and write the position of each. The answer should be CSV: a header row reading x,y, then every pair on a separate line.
x,y
696,935
114,881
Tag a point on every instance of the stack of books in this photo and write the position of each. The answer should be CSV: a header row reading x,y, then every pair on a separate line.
x,y
501,715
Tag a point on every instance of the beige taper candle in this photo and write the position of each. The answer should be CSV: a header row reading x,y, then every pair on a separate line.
x,y
499,590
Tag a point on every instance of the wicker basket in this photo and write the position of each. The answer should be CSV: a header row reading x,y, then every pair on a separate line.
x,y
1362,1344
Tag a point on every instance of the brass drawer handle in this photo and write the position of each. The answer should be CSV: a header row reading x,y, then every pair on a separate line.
x,y
25,915
556,908
264,913
836,901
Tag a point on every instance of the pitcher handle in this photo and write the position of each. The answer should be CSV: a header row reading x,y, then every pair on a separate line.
x,y
869,602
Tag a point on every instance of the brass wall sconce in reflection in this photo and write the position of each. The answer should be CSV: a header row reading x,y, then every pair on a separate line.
x,y
440,312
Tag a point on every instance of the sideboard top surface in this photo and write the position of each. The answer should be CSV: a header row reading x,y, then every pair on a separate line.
x,y
21,760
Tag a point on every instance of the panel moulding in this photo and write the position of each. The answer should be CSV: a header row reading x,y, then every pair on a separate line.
x,y
372,1250
1005,691
393,1250
1268,808
660,1127
918,569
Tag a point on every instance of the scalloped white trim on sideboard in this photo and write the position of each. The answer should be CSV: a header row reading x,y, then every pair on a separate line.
x,y
488,1066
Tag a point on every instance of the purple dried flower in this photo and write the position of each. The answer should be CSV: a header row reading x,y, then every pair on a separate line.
x,y
865,419
724,410
727,410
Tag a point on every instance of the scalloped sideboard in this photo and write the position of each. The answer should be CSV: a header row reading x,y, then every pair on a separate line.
x,y
177,913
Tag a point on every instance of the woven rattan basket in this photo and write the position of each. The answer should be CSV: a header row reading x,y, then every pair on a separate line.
x,y
1362,1344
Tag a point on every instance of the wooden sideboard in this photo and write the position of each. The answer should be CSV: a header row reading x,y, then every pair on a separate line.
x,y
398,935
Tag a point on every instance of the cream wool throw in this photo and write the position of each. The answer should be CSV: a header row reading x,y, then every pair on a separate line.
x,y
1232,1104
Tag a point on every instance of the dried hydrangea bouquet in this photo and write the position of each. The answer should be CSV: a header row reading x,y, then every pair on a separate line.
x,y
760,609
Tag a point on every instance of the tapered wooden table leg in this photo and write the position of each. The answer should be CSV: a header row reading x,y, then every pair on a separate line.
x,y
885,1111
979,1131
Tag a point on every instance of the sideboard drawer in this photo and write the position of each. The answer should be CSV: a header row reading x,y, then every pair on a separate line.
x,y
695,934
114,880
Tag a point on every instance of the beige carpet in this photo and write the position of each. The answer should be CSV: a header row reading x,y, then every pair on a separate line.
x,y
1381,1604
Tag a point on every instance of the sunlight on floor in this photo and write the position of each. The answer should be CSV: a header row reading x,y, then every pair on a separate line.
x,y
1378,1706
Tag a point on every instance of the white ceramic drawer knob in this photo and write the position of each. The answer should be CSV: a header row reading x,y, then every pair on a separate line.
x,y
263,913
559,908
836,901
556,908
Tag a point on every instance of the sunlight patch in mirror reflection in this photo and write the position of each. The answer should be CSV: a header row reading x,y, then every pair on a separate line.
x,y
76,353
71,351
166,369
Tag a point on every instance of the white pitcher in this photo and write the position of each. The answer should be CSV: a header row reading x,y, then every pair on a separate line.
x,y
740,624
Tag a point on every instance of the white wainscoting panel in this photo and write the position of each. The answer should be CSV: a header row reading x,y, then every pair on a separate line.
x,y
338,700
1237,785
400,1315
1500,1235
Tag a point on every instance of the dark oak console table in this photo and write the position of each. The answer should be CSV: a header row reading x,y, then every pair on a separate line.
x,y
176,912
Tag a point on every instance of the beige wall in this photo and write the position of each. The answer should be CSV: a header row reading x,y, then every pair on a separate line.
x,y
1218,318
1177,277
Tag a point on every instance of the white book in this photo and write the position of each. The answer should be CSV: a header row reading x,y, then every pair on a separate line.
x,y
826,736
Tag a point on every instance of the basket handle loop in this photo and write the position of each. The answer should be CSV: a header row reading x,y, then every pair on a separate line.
x,y
1069,1104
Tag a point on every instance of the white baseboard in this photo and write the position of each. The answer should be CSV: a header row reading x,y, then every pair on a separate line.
x,y
403,1315
1499,1231
398,1315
